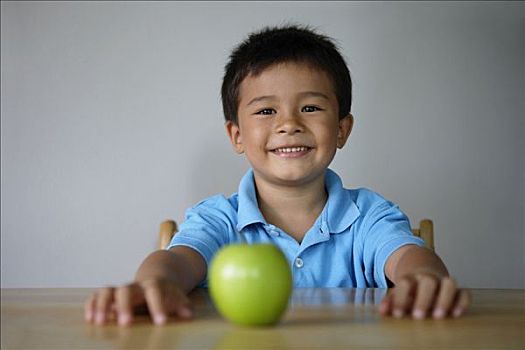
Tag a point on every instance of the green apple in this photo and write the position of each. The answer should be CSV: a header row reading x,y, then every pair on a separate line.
x,y
250,284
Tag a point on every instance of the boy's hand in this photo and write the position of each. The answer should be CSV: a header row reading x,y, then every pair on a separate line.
x,y
425,295
160,297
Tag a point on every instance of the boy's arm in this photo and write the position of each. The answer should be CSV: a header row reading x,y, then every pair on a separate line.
x,y
161,284
422,285
182,265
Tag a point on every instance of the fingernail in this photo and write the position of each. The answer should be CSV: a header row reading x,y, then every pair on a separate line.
x,y
439,313
383,308
418,314
159,319
89,316
185,312
398,313
124,319
457,312
99,317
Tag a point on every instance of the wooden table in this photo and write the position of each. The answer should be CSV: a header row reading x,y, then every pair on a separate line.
x,y
316,318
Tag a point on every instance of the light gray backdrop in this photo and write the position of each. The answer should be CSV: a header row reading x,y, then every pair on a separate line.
x,y
111,122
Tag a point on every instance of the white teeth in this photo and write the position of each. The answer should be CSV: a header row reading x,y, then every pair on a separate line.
x,y
291,149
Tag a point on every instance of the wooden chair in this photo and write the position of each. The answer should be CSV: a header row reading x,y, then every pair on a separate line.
x,y
168,228
426,232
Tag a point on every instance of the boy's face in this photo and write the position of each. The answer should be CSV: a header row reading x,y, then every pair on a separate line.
x,y
288,124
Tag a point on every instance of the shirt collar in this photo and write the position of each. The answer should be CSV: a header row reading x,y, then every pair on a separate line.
x,y
248,211
339,212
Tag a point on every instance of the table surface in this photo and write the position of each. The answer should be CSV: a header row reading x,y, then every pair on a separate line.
x,y
330,318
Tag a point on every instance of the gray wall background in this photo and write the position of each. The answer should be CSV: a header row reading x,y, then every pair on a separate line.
x,y
111,122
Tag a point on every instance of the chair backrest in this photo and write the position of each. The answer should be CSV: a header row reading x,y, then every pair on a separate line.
x,y
168,229
426,232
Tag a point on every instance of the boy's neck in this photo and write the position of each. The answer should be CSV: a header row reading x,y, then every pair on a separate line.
x,y
294,209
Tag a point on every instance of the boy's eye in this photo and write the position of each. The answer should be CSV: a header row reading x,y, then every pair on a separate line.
x,y
265,111
309,109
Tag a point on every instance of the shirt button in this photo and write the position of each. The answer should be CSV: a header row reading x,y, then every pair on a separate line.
x,y
299,262
272,230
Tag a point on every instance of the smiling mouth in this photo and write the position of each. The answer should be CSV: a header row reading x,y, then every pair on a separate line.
x,y
292,152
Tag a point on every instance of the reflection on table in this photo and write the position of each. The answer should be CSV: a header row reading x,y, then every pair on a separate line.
x,y
316,318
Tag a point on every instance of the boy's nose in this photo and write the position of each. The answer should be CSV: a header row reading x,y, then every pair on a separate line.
x,y
289,124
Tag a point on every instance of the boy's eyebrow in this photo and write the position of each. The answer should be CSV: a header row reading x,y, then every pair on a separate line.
x,y
302,94
314,94
261,98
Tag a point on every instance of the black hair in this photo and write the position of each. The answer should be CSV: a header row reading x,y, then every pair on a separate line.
x,y
290,43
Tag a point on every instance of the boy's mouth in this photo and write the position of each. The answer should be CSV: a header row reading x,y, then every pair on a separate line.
x,y
291,152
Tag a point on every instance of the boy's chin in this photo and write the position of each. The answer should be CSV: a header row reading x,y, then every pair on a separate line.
x,y
291,178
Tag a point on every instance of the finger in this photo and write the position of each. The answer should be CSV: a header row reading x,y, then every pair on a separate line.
x,y
126,297
425,294
445,298
103,304
180,304
403,296
463,301
385,307
155,300
89,308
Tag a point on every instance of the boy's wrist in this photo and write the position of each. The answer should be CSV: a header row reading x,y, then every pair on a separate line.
x,y
157,267
425,271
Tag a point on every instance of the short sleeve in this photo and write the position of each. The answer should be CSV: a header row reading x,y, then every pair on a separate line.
x,y
207,227
386,229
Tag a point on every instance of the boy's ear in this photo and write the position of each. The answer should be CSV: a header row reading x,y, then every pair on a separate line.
x,y
345,128
234,133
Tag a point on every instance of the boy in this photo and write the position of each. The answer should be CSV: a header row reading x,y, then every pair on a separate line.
x,y
286,97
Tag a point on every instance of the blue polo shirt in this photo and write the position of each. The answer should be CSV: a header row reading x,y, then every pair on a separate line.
x,y
347,246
